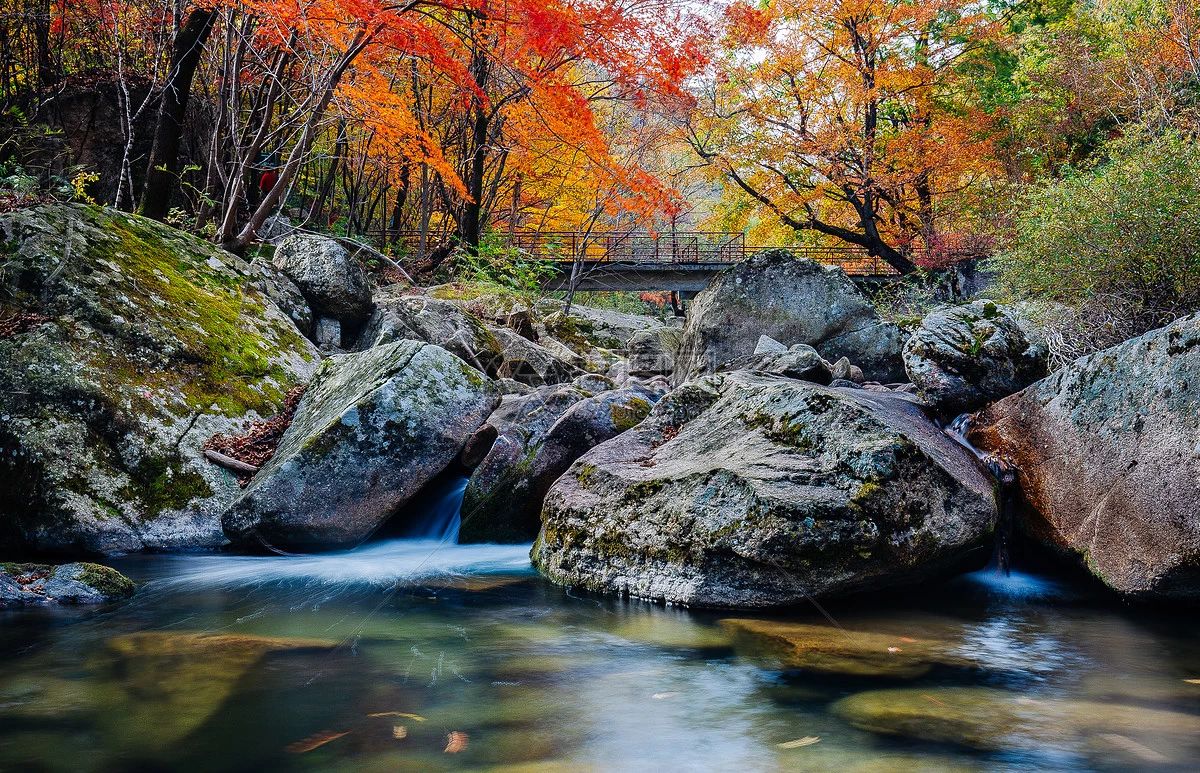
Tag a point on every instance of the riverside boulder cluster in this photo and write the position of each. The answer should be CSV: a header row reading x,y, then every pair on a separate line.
x,y
782,442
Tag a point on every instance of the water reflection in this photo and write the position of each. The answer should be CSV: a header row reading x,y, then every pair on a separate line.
x,y
419,655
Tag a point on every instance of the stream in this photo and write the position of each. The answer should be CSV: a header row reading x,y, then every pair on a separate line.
x,y
420,654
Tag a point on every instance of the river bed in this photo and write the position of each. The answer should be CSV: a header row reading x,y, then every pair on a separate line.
x,y
421,655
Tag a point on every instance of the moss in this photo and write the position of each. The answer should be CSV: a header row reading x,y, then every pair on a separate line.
x,y
867,492
630,414
781,430
642,490
106,580
586,475
161,484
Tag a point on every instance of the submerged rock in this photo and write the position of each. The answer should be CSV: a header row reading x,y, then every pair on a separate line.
x,y
749,490
503,500
175,681
1108,457
791,300
77,583
987,718
332,280
372,430
963,357
830,650
147,342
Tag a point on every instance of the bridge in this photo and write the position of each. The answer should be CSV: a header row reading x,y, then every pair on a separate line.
x,y
681,261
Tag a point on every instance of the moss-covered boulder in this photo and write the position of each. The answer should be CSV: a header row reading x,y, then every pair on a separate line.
x,y
543,434
77,583
372,429
751,490
794,301
138,344
963,357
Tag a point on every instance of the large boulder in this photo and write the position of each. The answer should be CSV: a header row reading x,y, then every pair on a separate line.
x,y
1108,457
542,435
963,357
750,490
372,430
794,301
335,284
132,345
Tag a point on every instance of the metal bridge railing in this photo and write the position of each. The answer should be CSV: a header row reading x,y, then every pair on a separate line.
x,y
670,247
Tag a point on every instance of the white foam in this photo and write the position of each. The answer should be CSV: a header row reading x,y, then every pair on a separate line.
x,y
401,561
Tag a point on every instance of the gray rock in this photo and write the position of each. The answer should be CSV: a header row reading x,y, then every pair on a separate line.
x,y
372,430
507,386
503,500
284,293
276,228
963,357
749,490
548,362
497,351
328,333
610,329
592,383
800,362
334,283
767,345
844,370
1108,457
789,299
652,352
155,342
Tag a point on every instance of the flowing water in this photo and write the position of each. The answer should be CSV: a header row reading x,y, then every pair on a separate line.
x,y
424,655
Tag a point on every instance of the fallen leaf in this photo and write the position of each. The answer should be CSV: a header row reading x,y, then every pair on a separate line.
x,y
807,740
399,732
404,715
894,650
456,742
1192,681
314,742
907,639
658,696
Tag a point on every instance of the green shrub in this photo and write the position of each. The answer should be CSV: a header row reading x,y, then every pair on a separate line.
x,y
506,268
1116,243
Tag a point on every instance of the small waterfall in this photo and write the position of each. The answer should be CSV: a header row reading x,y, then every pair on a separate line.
x,y
441,516
1005,475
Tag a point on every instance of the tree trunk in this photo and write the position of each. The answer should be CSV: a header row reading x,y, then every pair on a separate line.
x,y
164,154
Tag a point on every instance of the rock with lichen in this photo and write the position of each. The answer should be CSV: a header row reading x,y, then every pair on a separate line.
x,y
752,490
543,433
372,430
153,342
793,301
70,584
333,281
963,357
1107,453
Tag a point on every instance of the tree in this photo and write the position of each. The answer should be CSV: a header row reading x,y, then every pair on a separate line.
x,y
164,154
841,117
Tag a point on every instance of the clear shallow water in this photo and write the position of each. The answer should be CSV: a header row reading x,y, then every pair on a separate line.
x,y
422,655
